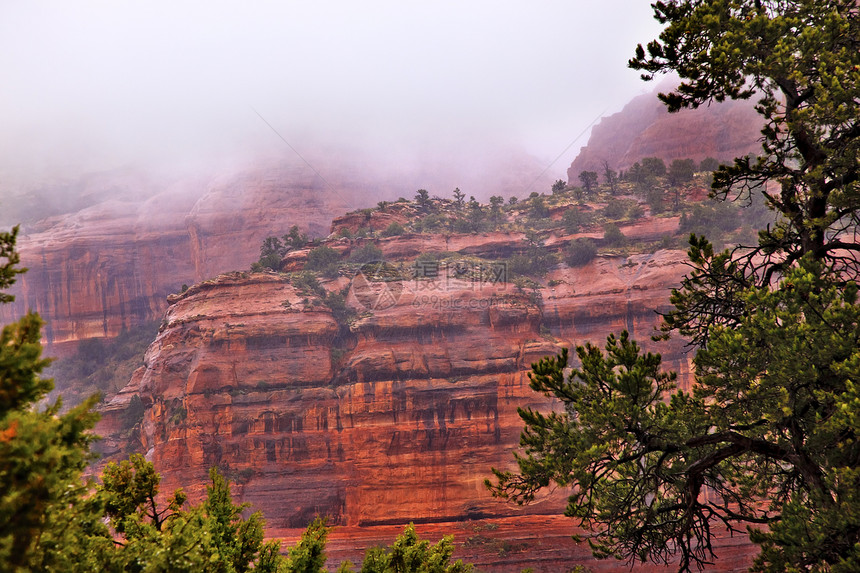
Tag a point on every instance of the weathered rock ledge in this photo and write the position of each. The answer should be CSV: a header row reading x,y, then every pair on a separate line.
x,y
394,417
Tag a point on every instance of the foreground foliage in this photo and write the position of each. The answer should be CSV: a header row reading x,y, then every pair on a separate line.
x,y
42,453
767,437
410,554
801,59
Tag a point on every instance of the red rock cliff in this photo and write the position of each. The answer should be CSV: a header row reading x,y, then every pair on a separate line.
x,y
394,417
645,129
111,266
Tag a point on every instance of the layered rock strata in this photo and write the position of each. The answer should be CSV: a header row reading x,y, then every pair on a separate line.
x,y
394,416
110,267
645,129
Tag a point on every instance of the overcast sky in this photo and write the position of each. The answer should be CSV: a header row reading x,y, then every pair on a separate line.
x,y
102,83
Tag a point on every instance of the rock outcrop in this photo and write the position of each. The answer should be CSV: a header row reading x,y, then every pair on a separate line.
x,y
104,269
125,240
645,129
110,266
395,415
392,410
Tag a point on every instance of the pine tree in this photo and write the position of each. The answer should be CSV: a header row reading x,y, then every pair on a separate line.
x,y
46,517
770,427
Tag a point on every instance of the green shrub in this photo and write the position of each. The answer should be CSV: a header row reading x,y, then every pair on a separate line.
x,y
654,166
635,211
518,265
337,355
613,236
324,260
534,261
393,230
422,198
366,253
462,226
523,265
713,220
668,242
426,266
681,171
589,181
709,164
614,209
580,252
710,218
133,414
538,208
271,252
295,239
656,200
307,283
432,222
573,219
340,311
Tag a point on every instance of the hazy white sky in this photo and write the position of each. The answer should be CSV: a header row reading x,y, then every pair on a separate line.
x,y
99,83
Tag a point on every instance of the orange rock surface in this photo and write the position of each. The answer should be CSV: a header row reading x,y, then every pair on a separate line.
x,y
397,416
394,416
110,267
645,129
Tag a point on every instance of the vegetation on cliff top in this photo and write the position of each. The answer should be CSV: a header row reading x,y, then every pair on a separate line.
x,y
594,218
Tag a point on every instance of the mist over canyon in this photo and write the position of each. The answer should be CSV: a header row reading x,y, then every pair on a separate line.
x,y
374,414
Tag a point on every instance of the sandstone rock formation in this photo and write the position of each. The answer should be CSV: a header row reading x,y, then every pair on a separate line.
x,y
395,416
391,415
645,129
110,266
125,240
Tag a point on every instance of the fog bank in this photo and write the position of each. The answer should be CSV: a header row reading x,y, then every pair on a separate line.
x,y
94,85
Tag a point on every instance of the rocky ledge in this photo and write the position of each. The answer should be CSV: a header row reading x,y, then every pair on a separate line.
x,y
393,414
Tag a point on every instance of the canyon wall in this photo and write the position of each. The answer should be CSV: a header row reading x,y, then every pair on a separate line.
x,y
110,266
645,129
131,239
123,240
394,415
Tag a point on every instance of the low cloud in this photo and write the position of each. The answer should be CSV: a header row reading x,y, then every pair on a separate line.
x,y
96,85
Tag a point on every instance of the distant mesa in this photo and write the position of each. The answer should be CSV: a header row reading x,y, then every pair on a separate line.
x,y
645,129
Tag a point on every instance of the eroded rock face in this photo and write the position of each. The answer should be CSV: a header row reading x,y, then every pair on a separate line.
x,y
229,222
110,267
396,416
645,129
130,239
103,269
